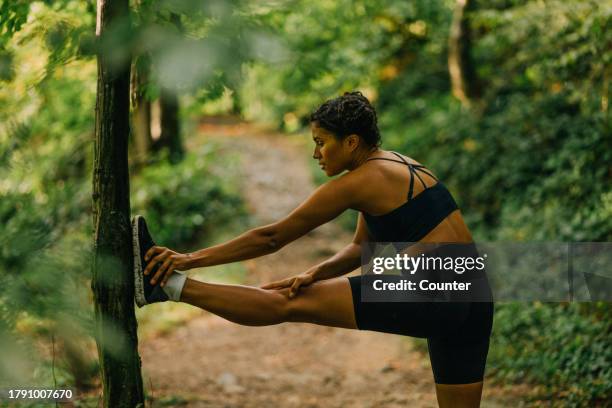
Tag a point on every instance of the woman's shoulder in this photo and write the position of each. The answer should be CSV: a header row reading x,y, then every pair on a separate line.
x,y
392,155
388,157
361,183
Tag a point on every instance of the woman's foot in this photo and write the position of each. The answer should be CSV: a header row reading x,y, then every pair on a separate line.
x,y
145,293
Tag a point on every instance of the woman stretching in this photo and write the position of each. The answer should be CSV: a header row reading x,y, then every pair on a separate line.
x,y
399,200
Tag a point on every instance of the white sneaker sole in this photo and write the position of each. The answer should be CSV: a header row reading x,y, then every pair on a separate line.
x,y
139,295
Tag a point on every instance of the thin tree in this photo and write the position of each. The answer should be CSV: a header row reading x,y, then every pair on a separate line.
x,y
170,137
141,109
112,284
461,68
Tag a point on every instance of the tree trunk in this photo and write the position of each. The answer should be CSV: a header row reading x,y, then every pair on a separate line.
x,y
170,137
141,110
460,65
112,279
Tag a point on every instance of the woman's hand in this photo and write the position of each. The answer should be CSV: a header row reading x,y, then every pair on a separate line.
x,y
170,261
294,283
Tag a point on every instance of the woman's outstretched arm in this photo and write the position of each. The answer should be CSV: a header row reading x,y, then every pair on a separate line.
x,y
344,261
347,259
323,205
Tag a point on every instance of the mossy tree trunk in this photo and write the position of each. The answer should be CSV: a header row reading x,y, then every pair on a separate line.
x,y
112,281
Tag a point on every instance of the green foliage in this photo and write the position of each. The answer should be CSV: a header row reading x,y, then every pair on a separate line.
x,y
46,131
197,46
538,147
44,265
45,188
46,198
188,200
12,16
335,47
66,28
564,347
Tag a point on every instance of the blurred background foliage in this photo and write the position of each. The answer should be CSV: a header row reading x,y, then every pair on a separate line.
x,y
47,101
527,157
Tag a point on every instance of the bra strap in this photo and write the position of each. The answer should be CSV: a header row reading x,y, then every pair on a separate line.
x,y
412,174
399,156
420,179
424,170
413,171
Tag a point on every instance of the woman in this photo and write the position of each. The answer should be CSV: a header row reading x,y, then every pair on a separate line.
x,y
407,204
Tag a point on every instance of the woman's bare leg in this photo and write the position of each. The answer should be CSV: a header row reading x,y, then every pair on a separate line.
x,y
459,395
328,302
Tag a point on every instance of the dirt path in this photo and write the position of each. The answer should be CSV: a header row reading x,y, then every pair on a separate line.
x,y
210,362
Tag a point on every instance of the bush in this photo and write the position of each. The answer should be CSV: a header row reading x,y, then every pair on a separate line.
x,y
189,199
565,347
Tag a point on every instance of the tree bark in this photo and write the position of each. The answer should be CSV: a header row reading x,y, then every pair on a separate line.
x,y
461,68
112,279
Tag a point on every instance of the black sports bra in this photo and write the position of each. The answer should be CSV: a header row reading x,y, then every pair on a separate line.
x,y
419,215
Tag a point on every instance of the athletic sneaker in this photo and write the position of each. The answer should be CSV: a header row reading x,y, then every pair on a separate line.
x,y
145,293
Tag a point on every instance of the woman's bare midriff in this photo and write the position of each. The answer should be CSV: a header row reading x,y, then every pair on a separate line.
x,y
451,229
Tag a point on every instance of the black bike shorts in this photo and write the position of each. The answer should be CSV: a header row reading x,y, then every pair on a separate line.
x,y
457,333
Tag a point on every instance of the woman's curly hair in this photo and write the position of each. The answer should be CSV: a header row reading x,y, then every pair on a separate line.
x,y
349,114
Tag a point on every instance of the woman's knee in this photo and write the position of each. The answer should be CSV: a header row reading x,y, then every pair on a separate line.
x,y
272,308
322,302
288,309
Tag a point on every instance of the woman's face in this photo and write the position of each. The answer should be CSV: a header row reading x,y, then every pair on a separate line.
x,y
333,155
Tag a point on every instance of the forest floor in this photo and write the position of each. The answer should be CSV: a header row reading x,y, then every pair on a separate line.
x,y
210,362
